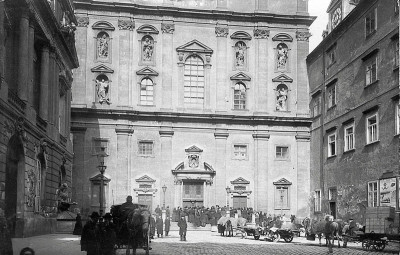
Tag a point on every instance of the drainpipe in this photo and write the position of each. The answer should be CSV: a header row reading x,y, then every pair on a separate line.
x,y
323,101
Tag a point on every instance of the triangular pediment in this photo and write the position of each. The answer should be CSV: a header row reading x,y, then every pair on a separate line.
x,y
282,181
282,37
240,180
103,25
241,35
194,46
102,69
145,178
98,177
333,4
282,78
240,77
147,29
147,71
193,149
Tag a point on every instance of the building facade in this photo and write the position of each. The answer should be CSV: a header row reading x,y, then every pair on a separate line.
x,y
354,89
37,55
208,99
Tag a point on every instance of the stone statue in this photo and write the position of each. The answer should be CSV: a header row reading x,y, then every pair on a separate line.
x,y
240,52
102,46
102,91
282,56
147,49
63,197
281,99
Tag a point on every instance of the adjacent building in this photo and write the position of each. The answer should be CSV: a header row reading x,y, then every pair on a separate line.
x,y
37,55
354,101
197,103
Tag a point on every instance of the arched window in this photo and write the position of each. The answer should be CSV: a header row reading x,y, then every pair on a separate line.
x,y
194,81
239,96
146,92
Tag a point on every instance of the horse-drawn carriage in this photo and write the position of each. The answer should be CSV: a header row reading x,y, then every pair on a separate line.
x,y
132,226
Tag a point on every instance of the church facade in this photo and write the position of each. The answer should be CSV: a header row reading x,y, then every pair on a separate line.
x,y
198,103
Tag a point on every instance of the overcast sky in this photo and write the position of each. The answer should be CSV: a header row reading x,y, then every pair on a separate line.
x,y
318,8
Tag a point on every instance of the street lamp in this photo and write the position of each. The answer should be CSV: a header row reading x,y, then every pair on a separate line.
x,y
228,191
164,189
100,157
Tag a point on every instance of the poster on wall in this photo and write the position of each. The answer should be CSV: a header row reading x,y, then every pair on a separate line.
x,y
387,192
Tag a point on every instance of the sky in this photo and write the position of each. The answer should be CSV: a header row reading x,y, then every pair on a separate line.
x,y
318,8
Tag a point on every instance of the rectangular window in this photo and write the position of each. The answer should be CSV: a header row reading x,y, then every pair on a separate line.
x,y
240,151
146,148
331,56
397,118
282,152
332,194
317,202
332,145
373,194
370,22
282,197
331,92
396,52
316,106
349,137
370,71
372,129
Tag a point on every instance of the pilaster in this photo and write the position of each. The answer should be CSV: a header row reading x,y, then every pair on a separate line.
x,y
124,169
220,180
44,84
80,77
261,69
167,44
166,157
124,84
221,33
302,79
31,50
261,196
23,59
303,174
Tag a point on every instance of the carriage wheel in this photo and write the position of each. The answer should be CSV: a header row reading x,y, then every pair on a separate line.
x,y
366,245
275,237
256,237
288,239
379,246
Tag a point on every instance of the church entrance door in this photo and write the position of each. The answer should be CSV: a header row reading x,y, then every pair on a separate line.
x,y
193,193
239,202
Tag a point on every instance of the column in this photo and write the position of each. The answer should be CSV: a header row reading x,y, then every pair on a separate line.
x,y
80,179
220,179
261,93
302,79
68,112
56,94
261,182
303,174
23,60
168,47
123,170
222,79
31,50
44,83
166,157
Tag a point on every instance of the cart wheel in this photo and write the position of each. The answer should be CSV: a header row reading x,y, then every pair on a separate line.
x,y
366,245
256,237
275,237
379,246
288,239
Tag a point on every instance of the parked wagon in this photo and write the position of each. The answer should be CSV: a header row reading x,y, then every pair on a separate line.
x,y
253,230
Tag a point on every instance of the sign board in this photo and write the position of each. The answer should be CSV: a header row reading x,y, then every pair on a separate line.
x,y
387,192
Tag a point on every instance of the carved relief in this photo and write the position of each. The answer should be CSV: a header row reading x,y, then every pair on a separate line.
x,y
240,54
16,128
221,31
303,36
167,28
82,21
261,33
32,180
126,24
281,97
148,47
102,89
103,40
193,161
282,51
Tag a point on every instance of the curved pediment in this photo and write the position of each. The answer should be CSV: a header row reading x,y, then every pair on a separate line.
x,y
241,35
147,71
282,78
103,25
194,46
282,37
147,29
240,77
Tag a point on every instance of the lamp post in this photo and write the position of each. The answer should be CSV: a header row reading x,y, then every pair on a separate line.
x,y
100,156
228,191
164,189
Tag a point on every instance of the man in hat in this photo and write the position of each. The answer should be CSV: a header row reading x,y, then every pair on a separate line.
x,y
91,236
126,208
108,236
182,224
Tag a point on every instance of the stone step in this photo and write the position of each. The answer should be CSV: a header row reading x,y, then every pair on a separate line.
x,y
191,227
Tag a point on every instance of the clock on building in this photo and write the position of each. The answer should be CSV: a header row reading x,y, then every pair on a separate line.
x,y
336,17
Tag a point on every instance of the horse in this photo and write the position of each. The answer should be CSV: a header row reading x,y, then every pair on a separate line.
x,y
138,225
330,229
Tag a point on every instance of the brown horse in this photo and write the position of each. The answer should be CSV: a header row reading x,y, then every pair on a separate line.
x,y
138,225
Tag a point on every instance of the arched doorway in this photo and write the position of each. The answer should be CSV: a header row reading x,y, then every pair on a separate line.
x,y
14,183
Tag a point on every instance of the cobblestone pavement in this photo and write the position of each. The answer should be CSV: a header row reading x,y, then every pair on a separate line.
x,y
199,243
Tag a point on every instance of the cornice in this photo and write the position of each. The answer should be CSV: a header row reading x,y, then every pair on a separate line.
x,y
195,13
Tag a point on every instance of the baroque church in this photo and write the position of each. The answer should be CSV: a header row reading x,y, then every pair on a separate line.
x,y
195,102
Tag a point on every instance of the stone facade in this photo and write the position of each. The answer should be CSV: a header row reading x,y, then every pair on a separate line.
x,y
215,110
36,59
354,91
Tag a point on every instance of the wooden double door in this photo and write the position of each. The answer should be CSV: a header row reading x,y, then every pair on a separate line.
x,y
239,202
193,193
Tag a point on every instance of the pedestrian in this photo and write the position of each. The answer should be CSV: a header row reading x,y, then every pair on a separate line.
x,y
182,224
167,225
159,226
90,235
152,226
78,225
5,236
158,210
108,236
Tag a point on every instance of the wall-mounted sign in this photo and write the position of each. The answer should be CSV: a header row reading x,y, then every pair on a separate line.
x,y
387,188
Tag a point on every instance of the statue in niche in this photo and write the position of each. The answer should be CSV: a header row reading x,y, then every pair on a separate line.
x,y
193,161
240,53
281,98
102,46
102,86
282,56
148,45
